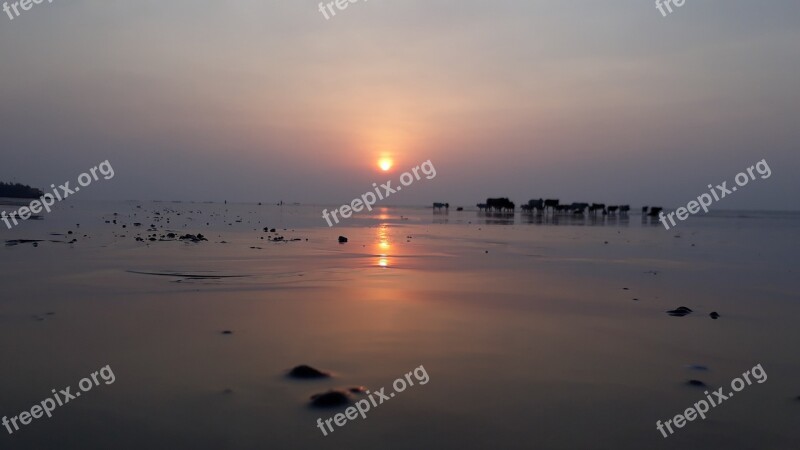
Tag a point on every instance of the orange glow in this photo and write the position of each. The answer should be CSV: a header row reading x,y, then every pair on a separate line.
x,y
385,164
383,246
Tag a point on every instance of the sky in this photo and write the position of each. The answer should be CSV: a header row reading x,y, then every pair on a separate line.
x,y
268,100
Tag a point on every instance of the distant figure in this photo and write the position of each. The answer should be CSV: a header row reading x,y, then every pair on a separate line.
x,y
644,209
623,209
500,204
439,206
598,206
482,206
536,204
551,203
578,208
613,210
654,211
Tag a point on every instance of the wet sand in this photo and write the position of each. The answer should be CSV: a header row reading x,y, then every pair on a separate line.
x,y
533,335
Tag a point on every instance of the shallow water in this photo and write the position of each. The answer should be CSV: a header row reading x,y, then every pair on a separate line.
x,y
528,329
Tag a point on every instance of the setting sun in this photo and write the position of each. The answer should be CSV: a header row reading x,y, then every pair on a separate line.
x,y
385,164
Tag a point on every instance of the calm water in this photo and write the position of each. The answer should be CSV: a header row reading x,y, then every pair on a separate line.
x,y
534,334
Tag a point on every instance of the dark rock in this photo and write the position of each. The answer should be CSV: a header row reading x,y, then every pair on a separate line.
x,y
305,371
342,239
227,332
679,312
697,383
714,315
330,399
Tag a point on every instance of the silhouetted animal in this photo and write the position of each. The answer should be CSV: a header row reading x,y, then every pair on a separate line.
x,y
482,206
551,203
623,209
537,205
654,211
437,205
578,208
613,209
597,206
500,204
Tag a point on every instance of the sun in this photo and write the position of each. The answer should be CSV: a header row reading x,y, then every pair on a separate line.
x,y
385,164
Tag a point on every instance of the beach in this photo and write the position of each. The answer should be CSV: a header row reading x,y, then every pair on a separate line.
x,y
533,334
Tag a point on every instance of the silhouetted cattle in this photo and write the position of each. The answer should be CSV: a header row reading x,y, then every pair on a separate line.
x,y
538,205
551,203
500,204
578,208
654,211
597,206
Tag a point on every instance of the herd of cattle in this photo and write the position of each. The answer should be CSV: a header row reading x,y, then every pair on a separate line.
x,y
554,206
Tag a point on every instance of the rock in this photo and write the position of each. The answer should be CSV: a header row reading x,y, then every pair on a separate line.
x,y
193,238
227,332
305,371
342,239
714,315
679,312
697,383
330,399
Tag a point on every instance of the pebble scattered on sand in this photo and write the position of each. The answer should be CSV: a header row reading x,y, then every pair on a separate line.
x,y
304,371
679,312
330,399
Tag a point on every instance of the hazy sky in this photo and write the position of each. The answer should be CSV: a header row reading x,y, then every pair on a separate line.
x,y
267,100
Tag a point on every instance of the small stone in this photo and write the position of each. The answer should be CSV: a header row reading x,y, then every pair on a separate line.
x,y
679,312
342,239
304,371
697,383
330,399
714,315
